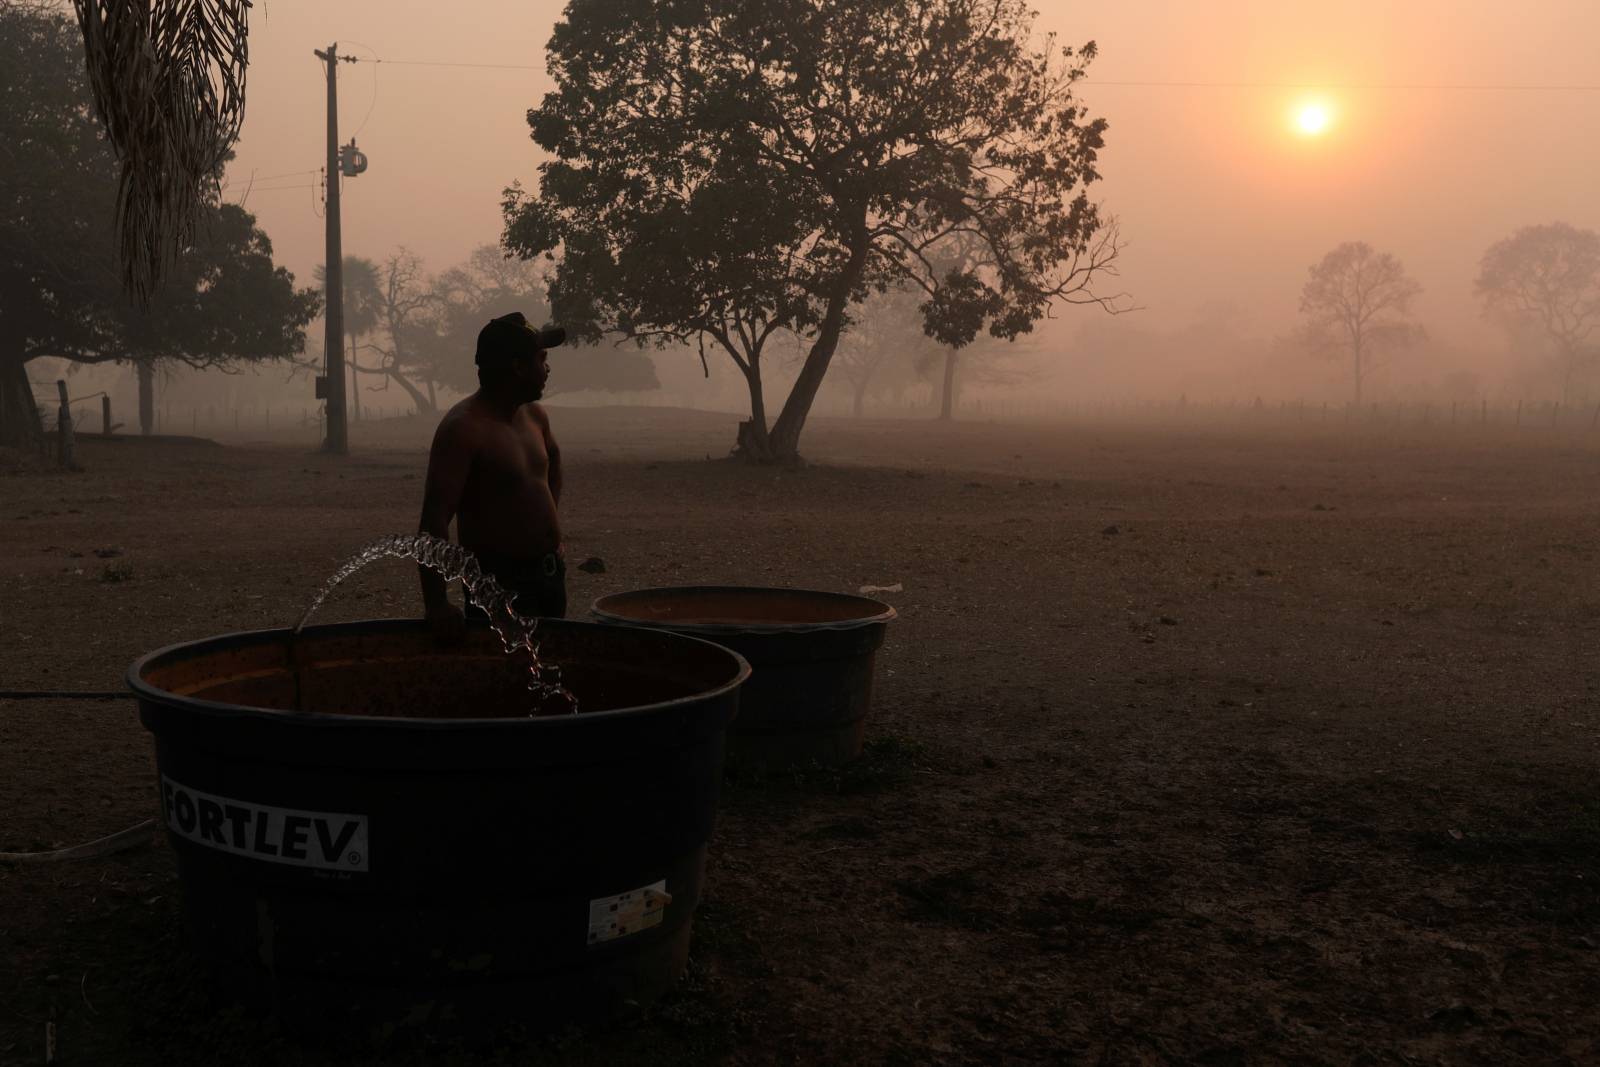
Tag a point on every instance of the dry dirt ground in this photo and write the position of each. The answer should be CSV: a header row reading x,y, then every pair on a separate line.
x,y
1223,744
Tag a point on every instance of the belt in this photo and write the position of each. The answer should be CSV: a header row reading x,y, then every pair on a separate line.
x,y
509,568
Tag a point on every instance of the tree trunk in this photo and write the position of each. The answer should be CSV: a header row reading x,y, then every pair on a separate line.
x,y
947,402
754,442
422,402
20,426
792,419
355,381
860,406
398,359
1357,348
147,397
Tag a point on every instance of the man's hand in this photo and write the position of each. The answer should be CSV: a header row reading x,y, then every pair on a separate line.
x,y
448,625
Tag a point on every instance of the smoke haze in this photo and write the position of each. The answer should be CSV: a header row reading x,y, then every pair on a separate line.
x,y
1430,155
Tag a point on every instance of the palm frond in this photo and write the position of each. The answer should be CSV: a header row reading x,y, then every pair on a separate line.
x,y
168,83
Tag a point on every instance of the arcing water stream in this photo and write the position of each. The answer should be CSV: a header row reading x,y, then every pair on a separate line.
x,y
450,561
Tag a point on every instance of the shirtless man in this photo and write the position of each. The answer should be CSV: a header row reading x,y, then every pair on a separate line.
x,y
496,470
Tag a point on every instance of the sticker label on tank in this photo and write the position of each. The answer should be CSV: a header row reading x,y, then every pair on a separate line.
x,y
326,840
627,913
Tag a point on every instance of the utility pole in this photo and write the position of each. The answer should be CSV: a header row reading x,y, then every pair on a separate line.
x,y
337,440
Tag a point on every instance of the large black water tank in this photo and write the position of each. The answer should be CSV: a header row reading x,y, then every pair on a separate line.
x,y
811,653
414,851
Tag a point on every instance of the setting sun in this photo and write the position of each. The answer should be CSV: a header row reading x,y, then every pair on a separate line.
x,y
1312,119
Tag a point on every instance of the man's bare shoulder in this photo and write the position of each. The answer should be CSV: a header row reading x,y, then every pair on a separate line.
x,y
537,413
459,426
460,429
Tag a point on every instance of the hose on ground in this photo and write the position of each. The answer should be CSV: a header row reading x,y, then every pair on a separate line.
x,y
121,841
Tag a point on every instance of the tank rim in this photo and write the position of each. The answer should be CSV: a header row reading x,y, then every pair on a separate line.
x,y
884,616
148,692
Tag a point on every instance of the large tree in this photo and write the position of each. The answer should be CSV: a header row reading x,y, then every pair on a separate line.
x,y
57,199
224,302
1549,277
726,170
408,311
879,351
1356,304
986,361
60,291
956,313
955,322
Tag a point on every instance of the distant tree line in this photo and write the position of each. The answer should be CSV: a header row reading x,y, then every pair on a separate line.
x,y
418,331
1541,282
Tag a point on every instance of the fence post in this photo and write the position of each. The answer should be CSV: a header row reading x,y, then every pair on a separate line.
x,y
105,415
64,427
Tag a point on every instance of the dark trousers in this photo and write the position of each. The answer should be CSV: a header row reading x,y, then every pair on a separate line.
x,y
540,584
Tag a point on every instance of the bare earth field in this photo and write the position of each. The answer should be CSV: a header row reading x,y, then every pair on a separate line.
x,y
1214,745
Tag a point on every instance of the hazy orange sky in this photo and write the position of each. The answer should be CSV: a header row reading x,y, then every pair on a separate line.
x,y
1220,199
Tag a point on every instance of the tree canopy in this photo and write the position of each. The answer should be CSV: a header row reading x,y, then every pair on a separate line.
x,y
727,169
1356,303
54,168
223,302
1549,276
362,292
880,351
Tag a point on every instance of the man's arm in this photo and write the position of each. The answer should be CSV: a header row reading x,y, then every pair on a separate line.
x,y
449,463
551,449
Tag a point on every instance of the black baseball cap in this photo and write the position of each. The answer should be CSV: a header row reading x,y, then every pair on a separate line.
x,y
510,337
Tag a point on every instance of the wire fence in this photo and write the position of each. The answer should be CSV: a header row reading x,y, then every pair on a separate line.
x,y
1180,410
289,421
1461,415
213,419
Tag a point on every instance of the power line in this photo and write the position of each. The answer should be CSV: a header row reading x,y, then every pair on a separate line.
x,y
1155,84
434,63
1356,86
285,174
374,101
